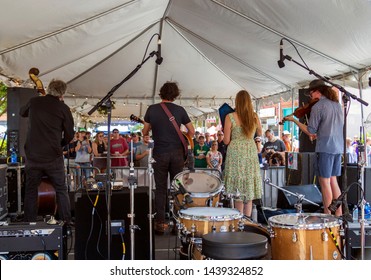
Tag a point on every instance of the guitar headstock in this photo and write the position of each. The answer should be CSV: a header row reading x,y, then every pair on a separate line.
x,y
136,119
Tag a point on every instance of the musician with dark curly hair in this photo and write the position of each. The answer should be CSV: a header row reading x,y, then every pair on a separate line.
x,y
326,125
168,151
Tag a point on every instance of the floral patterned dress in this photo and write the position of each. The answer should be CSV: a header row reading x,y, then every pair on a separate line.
x,y
242,170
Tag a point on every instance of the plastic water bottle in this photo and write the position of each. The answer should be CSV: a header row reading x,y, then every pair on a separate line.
x,y
355,214
13,156
367,211
254,214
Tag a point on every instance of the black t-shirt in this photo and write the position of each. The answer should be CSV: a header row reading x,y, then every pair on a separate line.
x,y
277,145
164,135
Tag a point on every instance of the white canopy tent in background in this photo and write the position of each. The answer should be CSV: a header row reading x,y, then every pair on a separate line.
x,y
212,48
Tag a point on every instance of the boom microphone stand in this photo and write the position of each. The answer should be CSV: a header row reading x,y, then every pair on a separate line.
x,y
150,187
132,180
106,102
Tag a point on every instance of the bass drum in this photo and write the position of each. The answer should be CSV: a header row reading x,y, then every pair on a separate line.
x,y
203,186
305,236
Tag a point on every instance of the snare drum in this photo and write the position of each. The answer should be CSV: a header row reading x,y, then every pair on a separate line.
x,y
203,186
202,220
305,237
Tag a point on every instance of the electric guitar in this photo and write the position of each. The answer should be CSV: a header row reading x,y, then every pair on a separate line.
x,y
189,141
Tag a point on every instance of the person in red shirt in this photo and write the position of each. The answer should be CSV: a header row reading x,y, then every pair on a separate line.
x,y
119,149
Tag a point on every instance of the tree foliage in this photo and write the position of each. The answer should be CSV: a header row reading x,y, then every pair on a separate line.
x,y
3,100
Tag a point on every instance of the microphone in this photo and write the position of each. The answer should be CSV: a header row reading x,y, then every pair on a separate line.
x,y
158,53
280,62
335,204
184,192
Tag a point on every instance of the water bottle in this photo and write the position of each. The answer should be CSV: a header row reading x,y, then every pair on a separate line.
x,y
355,214
367,211
254,214
13,156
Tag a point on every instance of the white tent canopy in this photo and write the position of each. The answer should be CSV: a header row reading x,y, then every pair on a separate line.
x,y
212,48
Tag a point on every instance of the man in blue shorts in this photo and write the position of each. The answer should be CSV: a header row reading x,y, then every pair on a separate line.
x,y
326,125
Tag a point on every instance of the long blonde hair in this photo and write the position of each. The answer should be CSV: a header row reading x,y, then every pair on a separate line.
x,y
245,111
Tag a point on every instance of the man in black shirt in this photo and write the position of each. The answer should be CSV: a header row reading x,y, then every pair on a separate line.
x,y
50,127
168,151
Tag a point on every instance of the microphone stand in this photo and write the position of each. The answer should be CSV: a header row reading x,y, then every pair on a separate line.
x,y
299,197
106,102
132,180
150,189
363,201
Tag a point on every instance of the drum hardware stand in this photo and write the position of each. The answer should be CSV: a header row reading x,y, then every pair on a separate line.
x,y
300,197
150,189
132,180
232,197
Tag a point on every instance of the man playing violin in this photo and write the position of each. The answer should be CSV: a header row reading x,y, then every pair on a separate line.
x,y
326,125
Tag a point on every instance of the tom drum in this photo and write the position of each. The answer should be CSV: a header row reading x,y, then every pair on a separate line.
x,y
203,187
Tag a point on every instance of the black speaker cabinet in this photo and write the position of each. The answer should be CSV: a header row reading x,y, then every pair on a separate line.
x,y
353,241
16,183
305,145
354,193
17,126
311,192
3,192
27,241
304,173
91,229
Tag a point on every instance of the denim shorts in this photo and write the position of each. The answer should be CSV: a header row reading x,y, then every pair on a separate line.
x,y
328,165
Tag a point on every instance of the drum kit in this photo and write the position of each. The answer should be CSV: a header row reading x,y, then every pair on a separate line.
x,y
208,230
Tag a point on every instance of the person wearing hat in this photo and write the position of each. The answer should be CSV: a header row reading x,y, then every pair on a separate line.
x,y
326,125
287,140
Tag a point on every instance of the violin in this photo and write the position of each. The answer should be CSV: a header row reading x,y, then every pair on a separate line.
x,y
33,72
301,111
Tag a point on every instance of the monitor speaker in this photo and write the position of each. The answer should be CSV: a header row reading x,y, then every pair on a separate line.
x,y
287,200
17,126
91,226
355,193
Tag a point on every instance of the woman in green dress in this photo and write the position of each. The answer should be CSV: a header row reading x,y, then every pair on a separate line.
x,y
242,170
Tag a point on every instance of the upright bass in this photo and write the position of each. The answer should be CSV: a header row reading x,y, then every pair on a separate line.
x,y
47,199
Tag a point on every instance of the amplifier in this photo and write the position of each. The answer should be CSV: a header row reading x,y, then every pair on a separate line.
x,y
353,241
3,192
20,241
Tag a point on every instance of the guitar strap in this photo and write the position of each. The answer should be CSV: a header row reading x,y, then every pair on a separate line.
x,y
172,120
